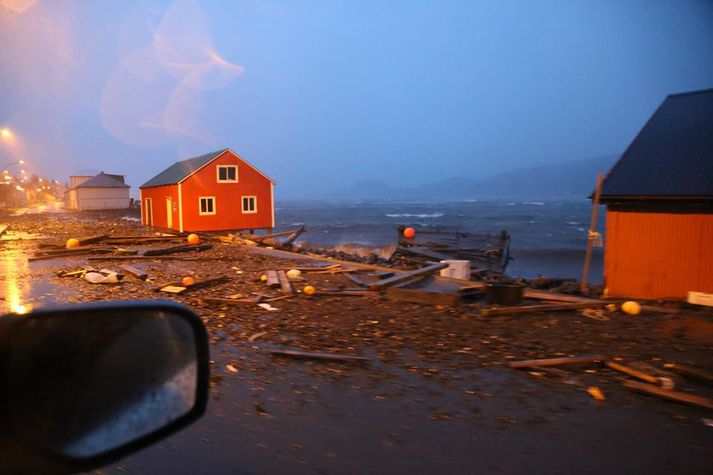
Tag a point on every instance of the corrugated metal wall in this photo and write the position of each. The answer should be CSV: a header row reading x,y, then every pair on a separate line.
x,y
658,255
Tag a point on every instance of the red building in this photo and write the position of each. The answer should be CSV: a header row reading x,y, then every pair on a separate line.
x,y
218,191
659,198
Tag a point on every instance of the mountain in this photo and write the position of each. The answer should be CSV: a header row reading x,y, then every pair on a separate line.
x,y
564,180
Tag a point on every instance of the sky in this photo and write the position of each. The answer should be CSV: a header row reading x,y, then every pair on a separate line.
x,y
321,94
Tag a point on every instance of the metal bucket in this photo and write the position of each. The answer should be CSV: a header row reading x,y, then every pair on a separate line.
x,y
504,294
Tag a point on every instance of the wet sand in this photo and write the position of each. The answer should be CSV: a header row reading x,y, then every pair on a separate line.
x,y
436,397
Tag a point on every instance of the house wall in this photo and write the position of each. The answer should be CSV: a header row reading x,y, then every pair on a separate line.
x,y
70,198
658,255
159,195
228,198
100,198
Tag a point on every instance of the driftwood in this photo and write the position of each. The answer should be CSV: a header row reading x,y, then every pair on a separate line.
x,y
632,372
177,249
273,280
318,356
344,293
397,279
492,311
233,302
93,239
556,361
670,394
285,284
690,372
156,258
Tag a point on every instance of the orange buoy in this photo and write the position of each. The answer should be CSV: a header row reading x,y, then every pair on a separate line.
x,y
194,239
188,281
72,243
409,233
309,290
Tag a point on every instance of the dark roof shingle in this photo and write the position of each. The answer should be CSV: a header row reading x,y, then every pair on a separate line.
x,y
180,170
103,180
672,156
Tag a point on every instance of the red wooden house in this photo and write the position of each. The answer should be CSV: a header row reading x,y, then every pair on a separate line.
x,y
214,192
659,198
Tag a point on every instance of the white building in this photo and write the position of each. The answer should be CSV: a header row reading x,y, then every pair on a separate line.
x,y
102,191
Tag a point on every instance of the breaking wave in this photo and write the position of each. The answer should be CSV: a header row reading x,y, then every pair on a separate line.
x,y
414,215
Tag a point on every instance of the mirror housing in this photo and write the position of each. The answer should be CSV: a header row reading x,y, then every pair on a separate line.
x,y
84,385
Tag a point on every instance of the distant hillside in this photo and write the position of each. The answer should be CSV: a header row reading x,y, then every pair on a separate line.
x,y
574,179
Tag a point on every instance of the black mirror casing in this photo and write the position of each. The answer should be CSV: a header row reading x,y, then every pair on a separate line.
x,y
131,365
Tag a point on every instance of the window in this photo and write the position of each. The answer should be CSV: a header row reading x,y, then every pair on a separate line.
x,y
249,204
227,174
206,205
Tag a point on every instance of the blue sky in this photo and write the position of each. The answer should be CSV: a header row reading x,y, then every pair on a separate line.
x,y
320,94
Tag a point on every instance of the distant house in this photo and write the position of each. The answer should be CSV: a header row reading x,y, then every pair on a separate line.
x,y
659,198
102,191
214,192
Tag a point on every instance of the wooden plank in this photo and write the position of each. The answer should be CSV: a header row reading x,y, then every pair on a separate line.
x,y
92,239
232,302
139,274
421,296
357,280
397,279
344,293
154,258
557,361
177,249
632,372
318,356
556,297
516,310
670,394
3,228
690,372
273,280
285,284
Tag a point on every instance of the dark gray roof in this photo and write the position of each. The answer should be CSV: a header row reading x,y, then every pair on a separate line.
x,y
180,170
103,180
672,156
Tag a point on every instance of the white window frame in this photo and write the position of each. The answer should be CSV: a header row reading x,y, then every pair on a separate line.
x,y
217,174
200,209
242,204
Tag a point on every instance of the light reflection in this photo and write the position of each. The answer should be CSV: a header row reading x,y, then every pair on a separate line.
x,y
15,266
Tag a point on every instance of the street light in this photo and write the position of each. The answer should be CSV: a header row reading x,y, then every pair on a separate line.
x,y
5,133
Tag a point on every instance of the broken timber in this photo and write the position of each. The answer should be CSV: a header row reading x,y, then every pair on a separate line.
x,y
556,361
690,372
177,249
135,272
632,372
285,284
318,356
670,394
493,311
397,279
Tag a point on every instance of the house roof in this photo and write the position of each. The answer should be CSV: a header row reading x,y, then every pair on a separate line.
x,y
671,157
103,180
179,171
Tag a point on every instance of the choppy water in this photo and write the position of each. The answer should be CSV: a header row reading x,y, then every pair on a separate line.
x,y
548,238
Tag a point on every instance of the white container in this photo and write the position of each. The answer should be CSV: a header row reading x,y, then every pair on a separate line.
x,y
456,269
700,298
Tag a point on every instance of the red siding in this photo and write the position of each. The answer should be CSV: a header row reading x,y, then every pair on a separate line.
x,y
658,255
158,196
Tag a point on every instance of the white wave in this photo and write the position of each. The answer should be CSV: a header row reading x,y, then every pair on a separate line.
x,y
533,203
414,215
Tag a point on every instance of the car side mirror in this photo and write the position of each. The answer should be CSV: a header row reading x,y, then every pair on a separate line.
x,y
85,385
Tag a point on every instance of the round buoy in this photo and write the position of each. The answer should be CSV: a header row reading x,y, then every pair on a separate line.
x,y
631,308
72,243
263,277
188,281
409,233
293,273
193,239
309,290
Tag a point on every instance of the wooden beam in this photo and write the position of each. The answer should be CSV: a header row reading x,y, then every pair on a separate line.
x,y
670,394
177,249
556,361
285,284
318,356
555,307
135,272
690,372
421,296
273,280
397,279
632,372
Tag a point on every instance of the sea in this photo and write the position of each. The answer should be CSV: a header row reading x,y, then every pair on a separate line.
x,y
548,238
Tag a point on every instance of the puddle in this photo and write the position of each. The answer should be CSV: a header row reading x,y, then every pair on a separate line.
x,y
19,288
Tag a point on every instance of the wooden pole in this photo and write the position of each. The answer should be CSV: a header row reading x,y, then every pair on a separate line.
x,y
590,237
